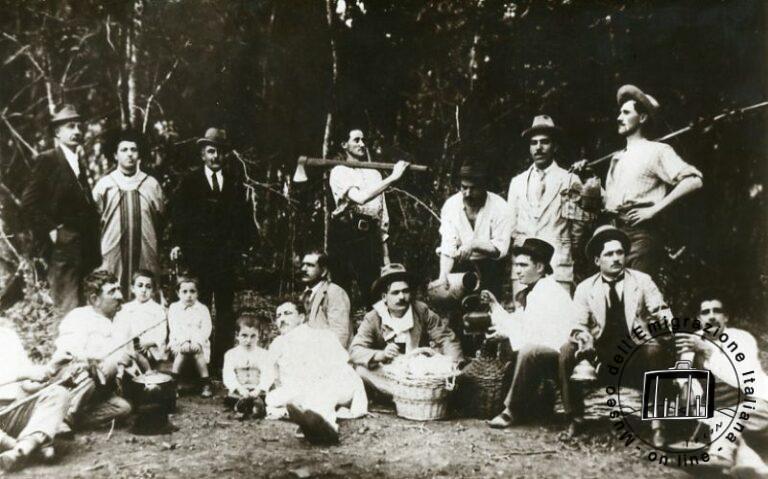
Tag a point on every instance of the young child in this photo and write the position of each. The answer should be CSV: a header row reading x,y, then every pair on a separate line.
x,y
144,318
189,327
246,368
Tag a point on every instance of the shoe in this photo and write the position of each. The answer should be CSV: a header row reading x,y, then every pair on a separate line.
x,y
316,429
207,391
502,421
12,460
6,442
576,427
47,453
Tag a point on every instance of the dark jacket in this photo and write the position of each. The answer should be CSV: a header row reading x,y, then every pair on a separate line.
x,y
427,326
211,229
54,198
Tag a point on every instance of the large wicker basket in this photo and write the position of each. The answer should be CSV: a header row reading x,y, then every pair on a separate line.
x,y
421,399
483,387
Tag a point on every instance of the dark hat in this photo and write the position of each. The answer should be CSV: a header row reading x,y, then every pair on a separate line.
x,y
214,136
390,273
65,113
473,171
114,138
542,124
538,250
603,234
631,92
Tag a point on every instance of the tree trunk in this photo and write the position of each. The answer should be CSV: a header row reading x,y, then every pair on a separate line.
x,y
329,10
131,61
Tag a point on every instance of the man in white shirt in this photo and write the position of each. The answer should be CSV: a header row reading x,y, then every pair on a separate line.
x,y
89,336
360,222
536,201
746,395
536,330
27,426
59,209
326,303
312,376
475,230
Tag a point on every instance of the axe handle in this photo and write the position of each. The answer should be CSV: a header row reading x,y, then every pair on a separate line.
x,y
374,165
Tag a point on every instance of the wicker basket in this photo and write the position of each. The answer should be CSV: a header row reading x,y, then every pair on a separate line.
x,y
423,398
483,387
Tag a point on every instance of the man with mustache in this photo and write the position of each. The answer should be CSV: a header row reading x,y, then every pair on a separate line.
x,y
613,307
397,325
360,222
211,226
326,303
60,211
644,179
536,201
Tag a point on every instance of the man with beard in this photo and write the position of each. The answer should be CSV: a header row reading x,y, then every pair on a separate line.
x,y
211,226
326,304
397,325
609,305
475,230
131,204
536,201
59,209
644,179
360,222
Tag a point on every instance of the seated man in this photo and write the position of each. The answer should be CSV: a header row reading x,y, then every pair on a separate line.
x,y
738,456
397,325
27,425
88,334
313,378
536,330
326,303
612,306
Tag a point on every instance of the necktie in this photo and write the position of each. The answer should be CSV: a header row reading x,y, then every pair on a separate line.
x,y
215,183
82,176
538,185
522,296
306,296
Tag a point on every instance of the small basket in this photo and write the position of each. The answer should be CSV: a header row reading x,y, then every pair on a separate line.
x,y
483,387
422,398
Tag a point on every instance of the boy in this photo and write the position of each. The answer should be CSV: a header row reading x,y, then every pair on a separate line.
x,y
245,369
145,320
189,328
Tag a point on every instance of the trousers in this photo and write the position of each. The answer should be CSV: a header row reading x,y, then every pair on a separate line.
x,y
43,414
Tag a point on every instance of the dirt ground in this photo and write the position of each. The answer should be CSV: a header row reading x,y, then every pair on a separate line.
x,y
211,443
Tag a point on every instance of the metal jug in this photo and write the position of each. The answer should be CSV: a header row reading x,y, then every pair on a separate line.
x,y
459,285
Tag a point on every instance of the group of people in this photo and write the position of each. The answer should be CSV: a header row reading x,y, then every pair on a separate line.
x,y
321,367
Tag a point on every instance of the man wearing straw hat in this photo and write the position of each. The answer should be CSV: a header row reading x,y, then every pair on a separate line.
x,y
397,325
211,226
536,200
643,179
60,211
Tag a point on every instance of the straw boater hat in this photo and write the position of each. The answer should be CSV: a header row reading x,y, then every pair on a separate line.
x,y
389,274
542,124
603,234
65,113
538,250
631,92
214,136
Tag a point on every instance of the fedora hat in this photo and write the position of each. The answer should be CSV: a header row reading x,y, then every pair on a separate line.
x,y
390,273
64,114
542,124
538,250
631,92
601,235
214,136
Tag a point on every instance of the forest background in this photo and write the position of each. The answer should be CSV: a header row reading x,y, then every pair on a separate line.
x,y
434,82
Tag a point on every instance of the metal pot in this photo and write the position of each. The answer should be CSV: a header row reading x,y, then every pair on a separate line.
x,y
154,397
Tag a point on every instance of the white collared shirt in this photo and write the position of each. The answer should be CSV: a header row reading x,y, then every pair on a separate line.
x,y
72,159
219,176
493,223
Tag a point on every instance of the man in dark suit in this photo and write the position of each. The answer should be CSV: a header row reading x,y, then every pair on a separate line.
x,y
60,211
211,226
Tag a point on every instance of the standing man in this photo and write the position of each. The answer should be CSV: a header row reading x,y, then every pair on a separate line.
x,y
211,227
360,222
397,325
59,208
475,231
326,304
609,305
536,331
536,201
131,204
643,179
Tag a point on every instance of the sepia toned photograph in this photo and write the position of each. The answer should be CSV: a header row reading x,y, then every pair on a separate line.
x,y
383,239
